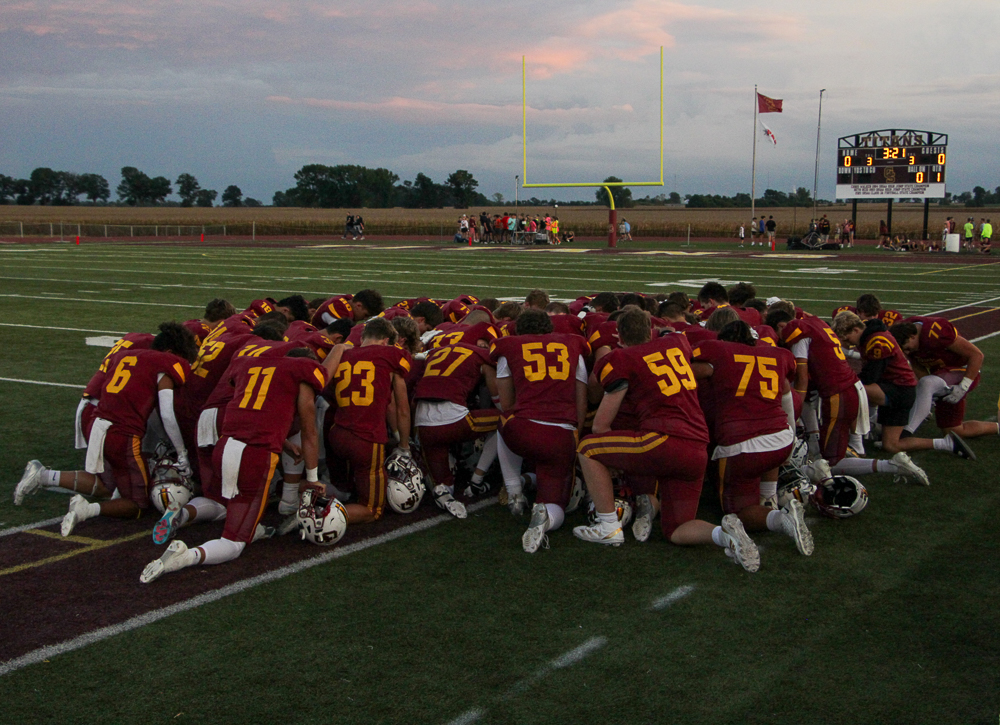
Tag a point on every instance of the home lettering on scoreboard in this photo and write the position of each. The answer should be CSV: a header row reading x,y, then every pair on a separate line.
x,y
892,163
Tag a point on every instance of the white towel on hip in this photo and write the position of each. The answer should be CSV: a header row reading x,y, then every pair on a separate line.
x,y
95,446
79,439
232,455
863,423
208,434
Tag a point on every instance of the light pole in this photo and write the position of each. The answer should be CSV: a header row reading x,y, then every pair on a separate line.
x,y
819,123
517,181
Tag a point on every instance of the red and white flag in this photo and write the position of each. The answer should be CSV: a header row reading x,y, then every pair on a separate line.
x,y
768,105
769,133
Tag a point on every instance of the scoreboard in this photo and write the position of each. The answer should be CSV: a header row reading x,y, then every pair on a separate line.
x,y
892,163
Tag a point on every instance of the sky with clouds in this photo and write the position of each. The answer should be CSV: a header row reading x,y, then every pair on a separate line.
x,y
246,92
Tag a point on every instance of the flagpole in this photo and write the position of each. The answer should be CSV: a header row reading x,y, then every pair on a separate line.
x,y
753,168
819,124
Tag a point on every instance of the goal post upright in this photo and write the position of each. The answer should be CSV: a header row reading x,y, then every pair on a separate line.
x,y
612,212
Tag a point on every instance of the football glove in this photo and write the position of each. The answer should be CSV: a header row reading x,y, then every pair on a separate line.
x,y
958,391
183,466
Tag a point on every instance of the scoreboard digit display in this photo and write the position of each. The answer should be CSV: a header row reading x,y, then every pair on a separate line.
x,y
892,163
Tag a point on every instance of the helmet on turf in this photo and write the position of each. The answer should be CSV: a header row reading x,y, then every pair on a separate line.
x,y
169,484
577,495
840,497
322,521
405,487
793,484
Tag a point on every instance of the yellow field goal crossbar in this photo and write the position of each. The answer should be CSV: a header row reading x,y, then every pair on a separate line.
x,y
604,184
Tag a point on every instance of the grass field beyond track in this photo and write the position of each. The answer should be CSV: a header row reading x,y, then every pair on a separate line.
x,y
890,621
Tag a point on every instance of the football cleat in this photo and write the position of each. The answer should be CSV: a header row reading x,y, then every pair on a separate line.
x,y
517,503
175,558
476,489
535,537
444,500
168,524
959,447
77,512
740,546
909,471
793,524
30,482
601,533
644,515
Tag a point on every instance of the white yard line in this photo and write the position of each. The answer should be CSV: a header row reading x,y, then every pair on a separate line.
x,y
42,382
69,329
106,302
98,635
985,337
25,527
674,596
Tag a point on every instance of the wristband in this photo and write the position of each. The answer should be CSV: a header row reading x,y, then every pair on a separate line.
x,y
312,475
966,384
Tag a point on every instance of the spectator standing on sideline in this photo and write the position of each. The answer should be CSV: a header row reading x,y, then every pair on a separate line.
x,y
348,226
359,227
761,227
771,226
985,236
742,233
628,230
753,230
970,232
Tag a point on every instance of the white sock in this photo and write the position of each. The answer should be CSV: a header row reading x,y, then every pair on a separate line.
x,y
50,477
207,510
290,493
886,467
855,441
854,467
93,509
219,551
556,516
488,455
768,489
720,537
510,466
774,520
611,518
477,477
943,444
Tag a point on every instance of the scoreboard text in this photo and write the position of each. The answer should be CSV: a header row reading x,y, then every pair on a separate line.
x,y
892,163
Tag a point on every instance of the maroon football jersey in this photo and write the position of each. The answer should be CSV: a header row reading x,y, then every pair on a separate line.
x,y
889,317
299,329
577,305
567,324
336,308
131,341
828,368
844,308
451,373
318,342
131,385
696,334
362,389
454,333
592,321
936,334
239,321
883,346
260,307
455,310
766,334
213,358
605,335
661,385
749,315
746,386
507,328
199,329
252,347
265,400
543,368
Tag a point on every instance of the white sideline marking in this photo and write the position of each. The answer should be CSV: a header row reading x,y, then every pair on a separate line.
x,y
44,653
102,341
69,329
985,337
575,655
25,527
676,595
470,716
977,303
42,382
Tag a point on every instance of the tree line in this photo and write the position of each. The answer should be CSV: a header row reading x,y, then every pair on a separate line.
x,y
352,186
